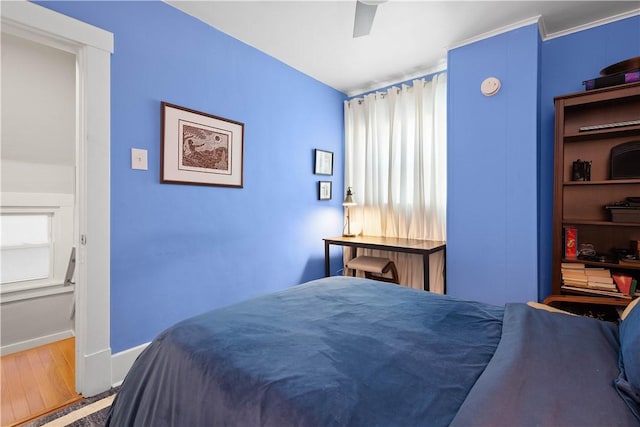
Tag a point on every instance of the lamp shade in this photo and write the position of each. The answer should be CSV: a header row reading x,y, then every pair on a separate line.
x,y
348,200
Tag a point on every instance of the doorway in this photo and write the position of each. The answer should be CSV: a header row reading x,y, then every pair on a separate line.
x,y
92,48
39,224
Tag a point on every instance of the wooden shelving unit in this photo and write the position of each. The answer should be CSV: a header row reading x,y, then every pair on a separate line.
x,y
580,204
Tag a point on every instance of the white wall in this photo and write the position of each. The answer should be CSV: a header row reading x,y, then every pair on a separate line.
x,y
31,177
36,321
38,164
38,103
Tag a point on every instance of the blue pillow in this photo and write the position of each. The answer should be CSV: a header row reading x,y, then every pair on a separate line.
x,y
628,383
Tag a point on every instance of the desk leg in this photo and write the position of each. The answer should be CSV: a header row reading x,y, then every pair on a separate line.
x,y
425,265
354,253
444,271
327,262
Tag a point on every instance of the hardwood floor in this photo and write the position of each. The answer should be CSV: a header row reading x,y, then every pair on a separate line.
x,y
37,381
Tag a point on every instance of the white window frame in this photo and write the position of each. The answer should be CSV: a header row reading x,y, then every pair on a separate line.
x,y
60,207
50,214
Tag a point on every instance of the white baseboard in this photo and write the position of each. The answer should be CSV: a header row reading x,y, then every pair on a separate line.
x,y
122,362
97,374
35,342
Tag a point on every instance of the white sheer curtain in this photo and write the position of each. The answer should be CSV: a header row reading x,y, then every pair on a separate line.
x,y
396,164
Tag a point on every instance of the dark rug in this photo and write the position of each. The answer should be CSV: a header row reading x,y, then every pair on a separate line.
x,y
80,414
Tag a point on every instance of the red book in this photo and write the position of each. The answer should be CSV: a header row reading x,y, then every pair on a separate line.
x,y
623,282
570,242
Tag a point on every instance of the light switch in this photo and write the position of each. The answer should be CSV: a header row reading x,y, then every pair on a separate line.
x,y
138,159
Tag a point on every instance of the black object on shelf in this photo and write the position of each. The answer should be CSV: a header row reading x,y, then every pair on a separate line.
x,y
624,214
612,80
622,72
581,170
625,160
598,257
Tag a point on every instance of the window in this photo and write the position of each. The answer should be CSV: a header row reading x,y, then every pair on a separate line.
x,y
26,247
37,232
395,162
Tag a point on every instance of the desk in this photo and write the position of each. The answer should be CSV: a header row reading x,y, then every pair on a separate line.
x,y
391,244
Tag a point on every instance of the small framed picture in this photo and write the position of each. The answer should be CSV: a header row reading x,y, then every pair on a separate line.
x,y
324,190
324,162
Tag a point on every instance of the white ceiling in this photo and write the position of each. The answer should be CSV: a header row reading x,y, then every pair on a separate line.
x,y
408,38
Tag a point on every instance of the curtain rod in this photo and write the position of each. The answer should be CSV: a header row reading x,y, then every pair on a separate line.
x,y
383,94
424,78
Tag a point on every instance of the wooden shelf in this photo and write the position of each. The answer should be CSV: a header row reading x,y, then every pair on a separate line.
x,y
581,204
602,133
605,182
575,221
610,265
556,300
598,96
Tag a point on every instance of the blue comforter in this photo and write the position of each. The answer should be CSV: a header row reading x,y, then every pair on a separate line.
x,y
333,352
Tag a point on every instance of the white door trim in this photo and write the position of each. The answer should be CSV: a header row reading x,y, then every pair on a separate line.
x,y
93,47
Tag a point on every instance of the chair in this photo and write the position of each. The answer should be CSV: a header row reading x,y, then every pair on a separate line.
x,y
375,268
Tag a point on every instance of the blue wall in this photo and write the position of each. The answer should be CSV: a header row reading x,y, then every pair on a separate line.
x,y
500,153
178,250
492,169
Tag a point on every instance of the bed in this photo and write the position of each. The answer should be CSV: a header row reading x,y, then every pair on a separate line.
x,y
349,351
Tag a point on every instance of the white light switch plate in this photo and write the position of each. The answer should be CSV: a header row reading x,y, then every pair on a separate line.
x,y
138,159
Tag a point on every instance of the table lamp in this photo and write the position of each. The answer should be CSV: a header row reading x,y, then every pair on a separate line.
x,y
348,201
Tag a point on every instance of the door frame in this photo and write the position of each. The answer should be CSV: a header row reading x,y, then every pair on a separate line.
x,y
92,47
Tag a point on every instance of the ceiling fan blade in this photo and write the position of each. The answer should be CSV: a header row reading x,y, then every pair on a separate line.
x,y
364,18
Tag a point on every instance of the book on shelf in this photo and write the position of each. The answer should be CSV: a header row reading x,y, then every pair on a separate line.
x,y
573,273
602,286
596,292
577,277
572,266
602,280
626,284
573,269
598,272
570,242
576,284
